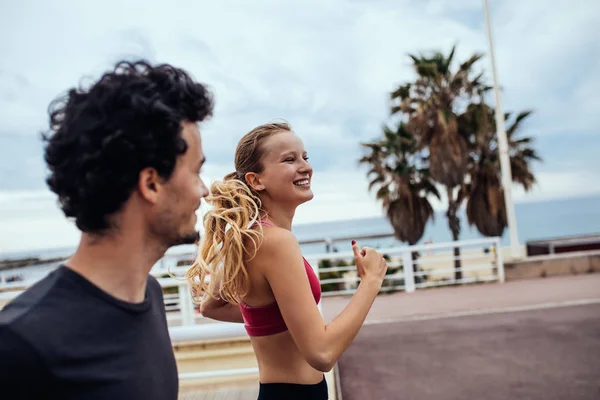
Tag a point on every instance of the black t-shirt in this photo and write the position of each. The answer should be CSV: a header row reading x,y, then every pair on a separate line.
x,y
65,338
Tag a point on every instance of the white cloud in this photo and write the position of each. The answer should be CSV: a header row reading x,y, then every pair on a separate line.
x,y
325,66
547,61
32,220
553,185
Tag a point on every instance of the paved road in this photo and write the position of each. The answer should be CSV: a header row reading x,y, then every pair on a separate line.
x,y
548,349
433,302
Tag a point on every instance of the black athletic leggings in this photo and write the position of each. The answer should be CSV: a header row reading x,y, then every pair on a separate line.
x,y
293,391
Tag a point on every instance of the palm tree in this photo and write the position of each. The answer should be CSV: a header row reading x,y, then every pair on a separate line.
x,y
431,106
400,174
446,136
485,206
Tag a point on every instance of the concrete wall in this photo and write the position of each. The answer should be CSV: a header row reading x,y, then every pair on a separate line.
x,y
215,355
224,354
552,265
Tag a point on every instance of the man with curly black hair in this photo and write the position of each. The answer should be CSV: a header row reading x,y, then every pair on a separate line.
x,y
124,158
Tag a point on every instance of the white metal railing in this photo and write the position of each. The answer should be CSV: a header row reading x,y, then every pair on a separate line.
x,y
433,260
172,257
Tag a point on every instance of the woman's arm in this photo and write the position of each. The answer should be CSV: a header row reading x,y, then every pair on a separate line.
x,y
321,344
220,310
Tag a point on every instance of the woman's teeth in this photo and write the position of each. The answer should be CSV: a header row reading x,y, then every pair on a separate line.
x,y
303,182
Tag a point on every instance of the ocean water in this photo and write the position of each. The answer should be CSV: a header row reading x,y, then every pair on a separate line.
x,y
535,220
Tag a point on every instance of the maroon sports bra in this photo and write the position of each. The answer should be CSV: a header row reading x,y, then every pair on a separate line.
x,y
267,320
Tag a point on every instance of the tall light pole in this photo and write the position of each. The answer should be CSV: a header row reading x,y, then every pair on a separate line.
x,y
502,145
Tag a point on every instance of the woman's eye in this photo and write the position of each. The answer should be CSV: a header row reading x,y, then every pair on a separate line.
x,y
305,158
289,160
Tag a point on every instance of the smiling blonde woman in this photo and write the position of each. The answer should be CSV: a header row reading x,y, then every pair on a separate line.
x,y
258,276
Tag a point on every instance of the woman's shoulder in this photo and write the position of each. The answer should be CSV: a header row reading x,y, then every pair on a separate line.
x,y
277,243
275,237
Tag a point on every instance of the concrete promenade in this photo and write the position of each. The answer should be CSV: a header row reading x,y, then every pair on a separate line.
x,y
533,339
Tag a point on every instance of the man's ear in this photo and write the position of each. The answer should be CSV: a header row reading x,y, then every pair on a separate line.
x,y
149,184
253,181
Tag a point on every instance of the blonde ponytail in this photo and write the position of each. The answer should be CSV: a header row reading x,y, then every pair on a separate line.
x,y
229,226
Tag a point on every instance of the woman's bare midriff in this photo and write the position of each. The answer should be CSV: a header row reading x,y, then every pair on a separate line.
x,y
279,360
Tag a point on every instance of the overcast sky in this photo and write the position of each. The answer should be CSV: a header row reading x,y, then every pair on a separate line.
x,y
325,66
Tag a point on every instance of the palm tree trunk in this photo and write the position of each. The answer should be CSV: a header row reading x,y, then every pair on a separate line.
x,y
454,225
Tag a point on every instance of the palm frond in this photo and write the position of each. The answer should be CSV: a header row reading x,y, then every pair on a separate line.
x,y
467,65
377,180
517,122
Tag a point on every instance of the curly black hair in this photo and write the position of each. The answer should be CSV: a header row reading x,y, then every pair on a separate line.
x,y
102,137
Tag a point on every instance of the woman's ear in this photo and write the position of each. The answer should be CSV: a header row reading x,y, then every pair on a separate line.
x,y
253,180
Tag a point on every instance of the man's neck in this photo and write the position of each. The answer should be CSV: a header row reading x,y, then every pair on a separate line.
x,y
117,264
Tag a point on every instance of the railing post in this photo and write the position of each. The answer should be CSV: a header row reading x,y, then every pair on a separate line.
x,y
407,266
499,260
185,305
328,245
